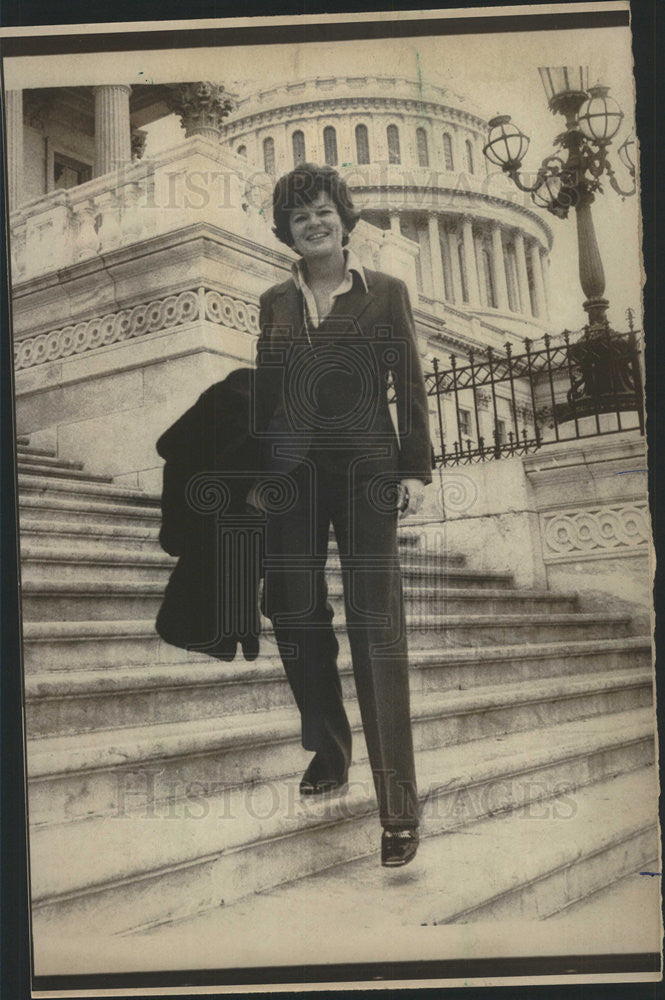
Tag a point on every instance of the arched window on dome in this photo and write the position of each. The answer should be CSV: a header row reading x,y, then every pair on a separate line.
x,y
298,143
394,155
488,275
469,156
362,144
242,151
330,146
448,152
421,145
269,156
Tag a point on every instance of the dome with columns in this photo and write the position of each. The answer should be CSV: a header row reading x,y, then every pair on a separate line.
x,y
412,155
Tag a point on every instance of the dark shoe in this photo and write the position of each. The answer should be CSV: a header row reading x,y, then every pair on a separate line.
x,y
318,779
398,847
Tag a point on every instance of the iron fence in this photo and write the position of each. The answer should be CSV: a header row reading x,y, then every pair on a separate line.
x,y
513,404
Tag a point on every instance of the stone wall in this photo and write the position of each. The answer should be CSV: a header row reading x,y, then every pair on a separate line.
x,y
572,517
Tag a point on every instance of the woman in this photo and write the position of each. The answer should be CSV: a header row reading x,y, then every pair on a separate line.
x,y
330,337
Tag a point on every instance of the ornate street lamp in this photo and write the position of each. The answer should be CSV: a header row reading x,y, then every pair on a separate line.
x,y
570,177
602,368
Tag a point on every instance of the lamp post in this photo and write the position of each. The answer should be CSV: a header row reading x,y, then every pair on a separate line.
x,y
603,367
570,177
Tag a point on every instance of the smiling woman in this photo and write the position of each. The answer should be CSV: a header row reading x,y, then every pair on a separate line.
x,y
330,336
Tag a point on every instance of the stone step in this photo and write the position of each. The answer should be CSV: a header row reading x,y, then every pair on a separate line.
x,y
41,469
67,523
56,595
636,895
75,536
47,462
59,512
601,839
432,566
49,567
63,645
76,775
164,863
120,568
98,491
45,566
120,696
25,449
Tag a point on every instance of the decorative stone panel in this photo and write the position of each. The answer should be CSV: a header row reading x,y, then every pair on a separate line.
x,y
595,532
150,317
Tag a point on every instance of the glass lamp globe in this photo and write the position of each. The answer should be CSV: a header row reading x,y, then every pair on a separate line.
x,y
506,144
547,193
600,117
627,153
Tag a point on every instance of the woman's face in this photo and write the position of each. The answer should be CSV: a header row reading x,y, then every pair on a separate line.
x,y
316,228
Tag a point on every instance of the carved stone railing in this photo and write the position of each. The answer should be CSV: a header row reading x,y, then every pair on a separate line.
x,y
198,180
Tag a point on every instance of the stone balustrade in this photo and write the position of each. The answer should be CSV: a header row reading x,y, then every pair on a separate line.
x,y
195,181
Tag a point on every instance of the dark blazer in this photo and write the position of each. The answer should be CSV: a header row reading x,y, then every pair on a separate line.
x,y
211,460
327,388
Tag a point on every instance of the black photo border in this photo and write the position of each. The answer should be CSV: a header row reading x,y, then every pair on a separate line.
x,y
647,20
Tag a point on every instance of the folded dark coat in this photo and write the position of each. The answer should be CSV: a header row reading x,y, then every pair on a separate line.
x,y
211,600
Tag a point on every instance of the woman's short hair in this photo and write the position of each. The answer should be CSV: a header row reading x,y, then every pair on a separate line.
x,y
301,187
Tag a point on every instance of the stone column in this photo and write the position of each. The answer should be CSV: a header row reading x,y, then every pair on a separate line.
x,y
346,141
453,254
283,150
499,261
470,261
311,142
545,274
425,260
438,282
14,113
202,107
538,286
395,227
522,276
112,127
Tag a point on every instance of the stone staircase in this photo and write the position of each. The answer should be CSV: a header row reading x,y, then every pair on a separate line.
x,y
163,784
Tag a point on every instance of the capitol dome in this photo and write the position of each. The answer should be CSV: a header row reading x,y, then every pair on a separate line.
x,y
412,154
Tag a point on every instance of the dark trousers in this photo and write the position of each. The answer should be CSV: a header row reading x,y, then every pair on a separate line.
x,y
361,509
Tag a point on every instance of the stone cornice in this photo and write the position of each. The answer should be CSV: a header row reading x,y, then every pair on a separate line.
x,y
453,193
343,105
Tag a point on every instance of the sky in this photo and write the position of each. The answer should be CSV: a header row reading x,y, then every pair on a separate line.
x,y
496,73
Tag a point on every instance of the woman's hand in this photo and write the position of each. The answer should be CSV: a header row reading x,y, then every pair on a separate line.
x,y
416,495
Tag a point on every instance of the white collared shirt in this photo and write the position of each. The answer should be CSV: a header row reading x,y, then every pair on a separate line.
x,y
351,263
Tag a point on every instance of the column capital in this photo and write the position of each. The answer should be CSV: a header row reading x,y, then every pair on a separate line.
x,y
202,106
124,87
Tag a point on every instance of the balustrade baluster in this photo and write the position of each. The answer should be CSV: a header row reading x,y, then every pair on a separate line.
x,y
86,242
